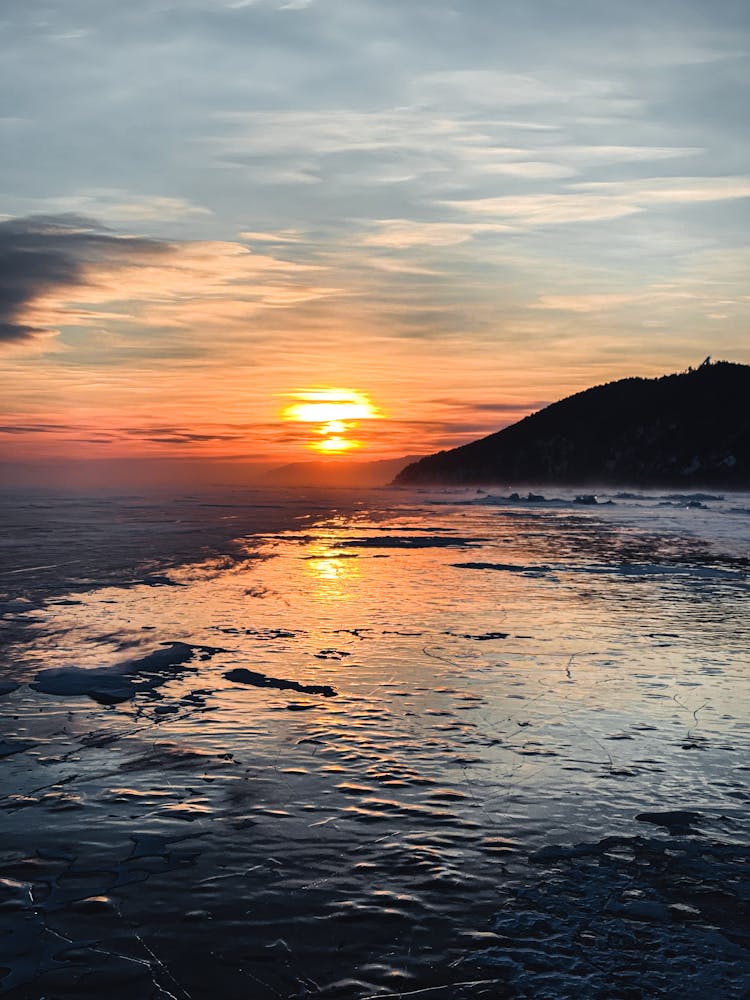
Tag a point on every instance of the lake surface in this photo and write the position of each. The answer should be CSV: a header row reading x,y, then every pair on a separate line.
x,y
433,743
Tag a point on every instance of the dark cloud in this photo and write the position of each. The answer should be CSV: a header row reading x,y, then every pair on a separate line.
x,y
41,253
158,434
500,407
439,427
34,428
178,435
189,438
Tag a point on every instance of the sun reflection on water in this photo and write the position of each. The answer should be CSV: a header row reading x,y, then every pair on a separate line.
x,y
426,697
333,571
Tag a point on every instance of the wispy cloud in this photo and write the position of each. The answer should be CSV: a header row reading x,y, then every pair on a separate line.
x,y
114,206
40,255
601,201
67,270
281,236
405,233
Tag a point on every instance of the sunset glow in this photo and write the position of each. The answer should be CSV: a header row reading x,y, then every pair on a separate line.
x,y
374,499
474,215
335,445
335,411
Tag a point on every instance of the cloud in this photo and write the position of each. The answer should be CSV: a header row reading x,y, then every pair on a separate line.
x,y
500,407
69,271
601,201
530,169
188,438
598,302
38,428
492,89
41,254
282,236
400,234
596,154
666,190
116,205
174,434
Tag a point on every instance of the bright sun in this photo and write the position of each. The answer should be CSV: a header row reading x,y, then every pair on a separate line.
x,y
336,412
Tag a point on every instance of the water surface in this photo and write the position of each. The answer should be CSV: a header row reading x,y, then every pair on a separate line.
x,y
282,745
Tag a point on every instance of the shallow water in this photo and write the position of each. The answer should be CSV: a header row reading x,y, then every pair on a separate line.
x,y
348,747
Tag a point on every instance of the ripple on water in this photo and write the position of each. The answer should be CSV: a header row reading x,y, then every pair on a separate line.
x,y
353,794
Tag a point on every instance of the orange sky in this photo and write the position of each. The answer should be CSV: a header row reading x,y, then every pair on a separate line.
x,y
442,207
197,350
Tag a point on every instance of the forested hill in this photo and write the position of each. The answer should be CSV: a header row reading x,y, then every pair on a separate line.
x,y
687,429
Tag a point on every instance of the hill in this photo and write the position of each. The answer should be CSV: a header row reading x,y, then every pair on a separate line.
x,y
337,473
686,429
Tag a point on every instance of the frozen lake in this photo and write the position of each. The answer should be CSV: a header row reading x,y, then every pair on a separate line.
x,y
431,743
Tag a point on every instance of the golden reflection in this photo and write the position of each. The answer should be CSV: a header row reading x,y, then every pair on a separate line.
x,y
335,411
332,570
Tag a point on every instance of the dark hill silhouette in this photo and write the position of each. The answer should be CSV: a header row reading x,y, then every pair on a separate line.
x,y
687,429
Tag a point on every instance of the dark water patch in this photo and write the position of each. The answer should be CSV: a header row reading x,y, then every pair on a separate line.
x,y
446,795
628,917
166,709
267,634
260,634
411,542
627,570
156,845
331,555
505,568
660,569
18,606
492,499
12,746
174,757
431,529
157,580
481,637
122,681
63,933
114,639
686,497
242,676
677,821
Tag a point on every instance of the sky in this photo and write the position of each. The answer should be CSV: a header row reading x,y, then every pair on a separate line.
x,y
454,211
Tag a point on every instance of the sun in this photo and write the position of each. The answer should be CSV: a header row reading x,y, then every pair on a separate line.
x,y
336,412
